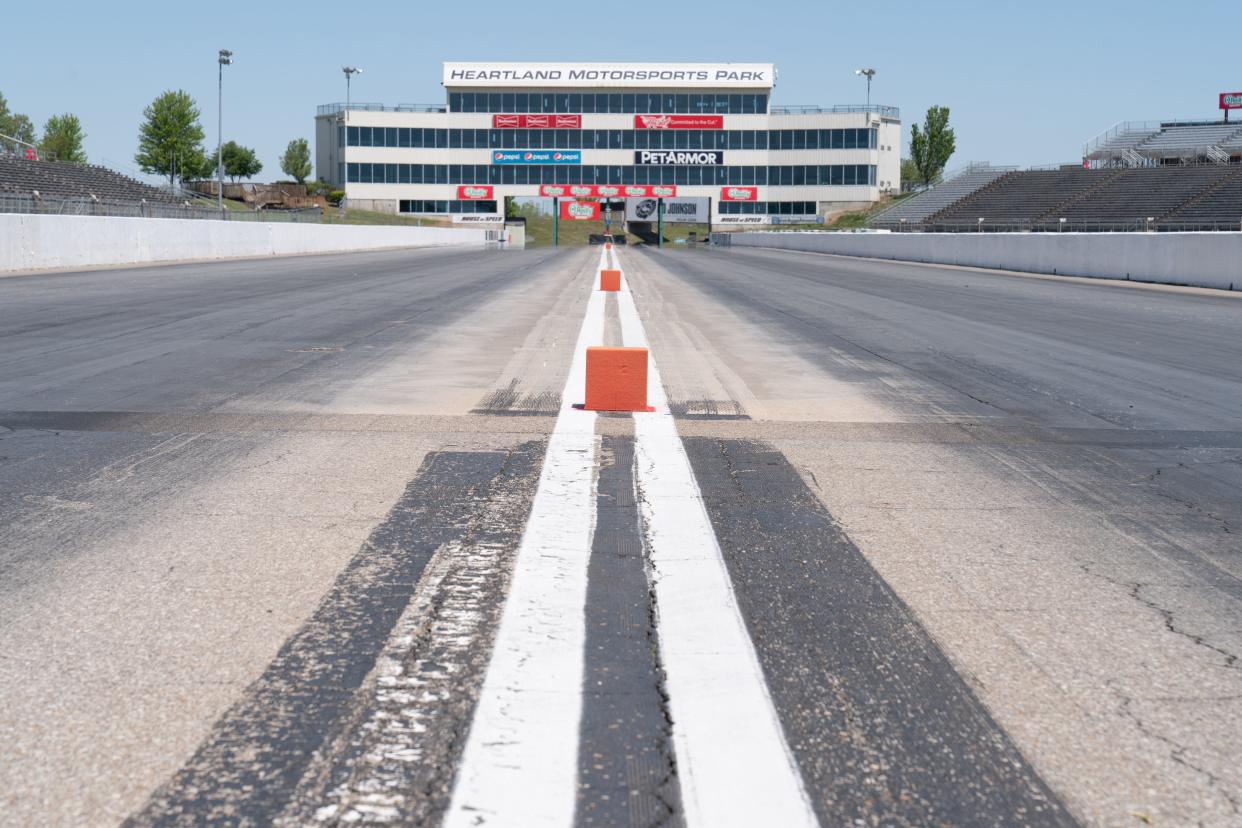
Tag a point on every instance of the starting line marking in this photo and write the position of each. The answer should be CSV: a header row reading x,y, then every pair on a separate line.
x,y
733,763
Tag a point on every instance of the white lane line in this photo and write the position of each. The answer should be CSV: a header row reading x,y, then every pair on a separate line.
x,y
520,763
733,764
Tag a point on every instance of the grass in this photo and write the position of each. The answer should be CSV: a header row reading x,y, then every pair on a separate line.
x,y
857,219
539,232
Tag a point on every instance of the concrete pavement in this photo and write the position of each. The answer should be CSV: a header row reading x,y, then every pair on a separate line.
x,y
262,519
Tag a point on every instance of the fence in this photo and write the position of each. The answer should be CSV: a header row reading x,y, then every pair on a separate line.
x,y
25,203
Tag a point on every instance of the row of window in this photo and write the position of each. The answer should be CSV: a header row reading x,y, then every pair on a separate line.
x,y
645,103
429,206
721,139
776,176
767,208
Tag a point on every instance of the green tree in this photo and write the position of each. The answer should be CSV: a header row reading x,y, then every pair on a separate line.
x,y
931,147
296,162
239,161
62,139
171,137
14,125
909,170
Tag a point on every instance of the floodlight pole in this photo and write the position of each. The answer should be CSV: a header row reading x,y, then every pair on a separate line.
x,y
226,58
869,73
349,71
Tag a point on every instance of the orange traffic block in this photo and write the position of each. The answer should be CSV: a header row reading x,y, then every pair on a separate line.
x,y
608,245
610,280
616,379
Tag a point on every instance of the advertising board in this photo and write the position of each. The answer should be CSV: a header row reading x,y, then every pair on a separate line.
x,y
676,210
542,121
682,158
536,156
580,210
475,192
678,122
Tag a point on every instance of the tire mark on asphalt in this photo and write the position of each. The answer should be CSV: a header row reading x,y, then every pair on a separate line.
x,y
883,728
626,769
247,769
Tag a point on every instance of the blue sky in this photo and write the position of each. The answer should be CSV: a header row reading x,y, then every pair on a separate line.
x,y
1027,83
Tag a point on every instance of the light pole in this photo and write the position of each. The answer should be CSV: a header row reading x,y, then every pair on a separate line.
x,y
349,71
226,58
870,73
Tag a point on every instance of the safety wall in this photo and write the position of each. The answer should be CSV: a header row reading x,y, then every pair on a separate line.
x,y
1202,259
31,242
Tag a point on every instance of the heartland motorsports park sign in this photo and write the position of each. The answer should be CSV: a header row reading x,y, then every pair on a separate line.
x,y
554,75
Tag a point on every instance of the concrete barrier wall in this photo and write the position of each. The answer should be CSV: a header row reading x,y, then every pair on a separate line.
x,y
1203,259
31,242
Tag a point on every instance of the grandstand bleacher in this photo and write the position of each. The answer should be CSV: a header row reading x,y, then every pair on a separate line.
x,y
1022,197
953,189
1131,143
56,179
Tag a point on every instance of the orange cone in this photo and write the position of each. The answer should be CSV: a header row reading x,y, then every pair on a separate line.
x,y
610,280
616,379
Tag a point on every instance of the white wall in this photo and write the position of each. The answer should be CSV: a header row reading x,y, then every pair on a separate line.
x,y
31,242
1202,259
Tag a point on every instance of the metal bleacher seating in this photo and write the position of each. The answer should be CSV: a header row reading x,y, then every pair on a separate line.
x,y
1134,195
53,179
1185,139
953,189
1219,205
1021,198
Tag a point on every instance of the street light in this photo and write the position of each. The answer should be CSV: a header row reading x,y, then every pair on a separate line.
x,y
226,58
349,71
870,73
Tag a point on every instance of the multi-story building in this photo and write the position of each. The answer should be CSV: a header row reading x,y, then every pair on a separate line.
x,y
610,129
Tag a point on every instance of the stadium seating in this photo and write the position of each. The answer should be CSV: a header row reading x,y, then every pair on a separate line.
x,y
1136,194
1022,197
919,207
53,179
1188,139
1126,139
1220,205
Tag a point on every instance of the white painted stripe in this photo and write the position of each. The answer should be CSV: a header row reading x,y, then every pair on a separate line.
x,y
733,764
520,763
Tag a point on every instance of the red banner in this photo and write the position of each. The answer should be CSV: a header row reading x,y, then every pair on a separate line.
x,y
1231,100
739,193
537,121
678,122
580,210
475,192
608,190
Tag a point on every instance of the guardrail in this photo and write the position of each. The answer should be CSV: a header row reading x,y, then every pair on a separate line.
x,y
882,111
46,205
337,108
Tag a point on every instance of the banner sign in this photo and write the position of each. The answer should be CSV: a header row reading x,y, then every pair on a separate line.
x,y
676,210
678,122
491,75
580,210
545,121
739,193
536,156
1231,100
691,158
475,192
768,219
478,218
607,190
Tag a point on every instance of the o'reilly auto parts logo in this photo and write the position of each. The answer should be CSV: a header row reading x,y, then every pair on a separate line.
x,y
684,158
474,192
581,191
578,210
663,192
607,190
